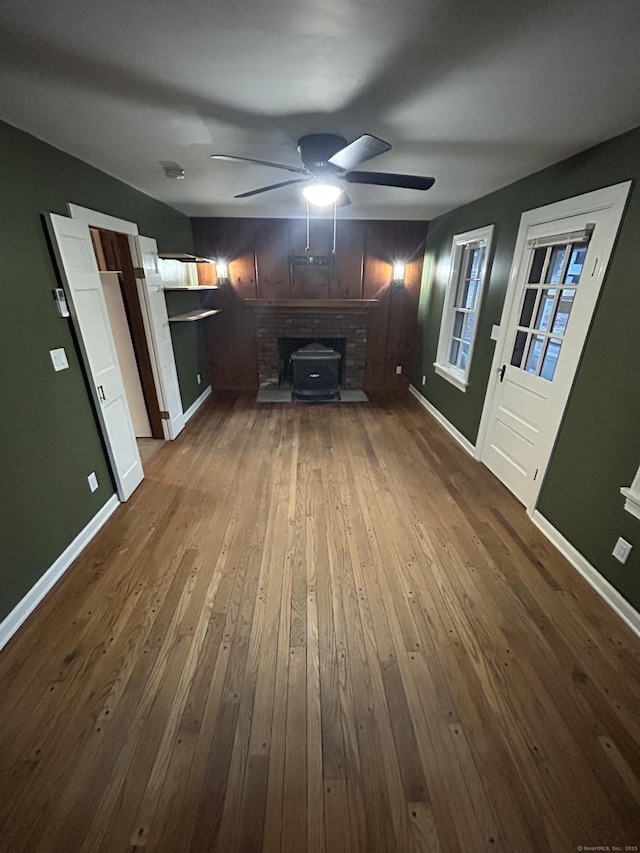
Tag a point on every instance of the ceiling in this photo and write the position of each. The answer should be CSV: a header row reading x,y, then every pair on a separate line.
x,y
477,94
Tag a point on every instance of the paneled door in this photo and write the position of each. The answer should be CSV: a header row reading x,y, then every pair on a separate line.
x,y
559,264
152,300
79,271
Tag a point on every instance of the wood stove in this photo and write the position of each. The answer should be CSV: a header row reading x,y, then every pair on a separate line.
x,y
316,374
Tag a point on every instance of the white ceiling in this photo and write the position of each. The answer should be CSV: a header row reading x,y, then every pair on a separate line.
x,y
477,94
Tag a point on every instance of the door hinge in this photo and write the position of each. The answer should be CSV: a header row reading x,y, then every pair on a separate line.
x,y
165,416
138,272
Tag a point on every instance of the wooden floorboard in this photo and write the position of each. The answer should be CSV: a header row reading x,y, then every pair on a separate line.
x,y
319,628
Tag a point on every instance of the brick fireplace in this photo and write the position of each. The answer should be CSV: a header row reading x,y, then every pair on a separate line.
x,y
311,319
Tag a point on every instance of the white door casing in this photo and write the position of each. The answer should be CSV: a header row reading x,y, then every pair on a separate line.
x,y
144,251
76,259
522,411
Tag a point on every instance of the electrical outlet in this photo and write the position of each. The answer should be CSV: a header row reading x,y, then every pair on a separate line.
x,y
424,380
622,550
398,368
93,481
199,378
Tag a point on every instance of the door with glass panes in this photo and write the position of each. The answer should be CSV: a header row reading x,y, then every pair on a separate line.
x,y
558,270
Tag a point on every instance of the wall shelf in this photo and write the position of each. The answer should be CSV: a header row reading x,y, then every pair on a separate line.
x,y
184,258
197,314
185,287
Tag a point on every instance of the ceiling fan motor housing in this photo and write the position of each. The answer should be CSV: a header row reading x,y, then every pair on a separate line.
x,y
316,148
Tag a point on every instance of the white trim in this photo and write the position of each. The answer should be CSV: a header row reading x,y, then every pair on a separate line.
x,y
459,437
455,377
39,590
605,590
102,220
632,501
193,408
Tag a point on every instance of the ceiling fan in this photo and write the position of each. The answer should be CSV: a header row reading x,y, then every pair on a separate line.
x,y
327,160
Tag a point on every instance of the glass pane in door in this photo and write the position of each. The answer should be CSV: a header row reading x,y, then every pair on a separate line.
x,y
535,351
545,310
550,358
556,264
563,309
576,263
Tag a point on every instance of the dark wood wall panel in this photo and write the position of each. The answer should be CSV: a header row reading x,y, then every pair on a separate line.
x,y
258,252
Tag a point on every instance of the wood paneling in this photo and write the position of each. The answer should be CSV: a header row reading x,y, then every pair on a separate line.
x,y
319,628
258,251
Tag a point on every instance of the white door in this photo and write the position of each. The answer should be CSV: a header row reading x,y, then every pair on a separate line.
x,y
79,270
154,310
560,260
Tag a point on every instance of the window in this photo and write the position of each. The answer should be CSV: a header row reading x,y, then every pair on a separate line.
x,y
469,256
554,275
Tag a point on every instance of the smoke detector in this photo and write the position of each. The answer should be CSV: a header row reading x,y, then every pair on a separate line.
x,y
172,170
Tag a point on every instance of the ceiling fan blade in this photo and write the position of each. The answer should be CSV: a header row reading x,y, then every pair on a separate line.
x,y
231,158
389,179
363,148
271,187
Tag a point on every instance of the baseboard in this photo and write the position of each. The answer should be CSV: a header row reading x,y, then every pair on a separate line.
x,y
455,433
28,604
193,408
605,590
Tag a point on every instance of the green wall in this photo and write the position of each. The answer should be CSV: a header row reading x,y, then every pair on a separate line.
x,y
598,448
50,439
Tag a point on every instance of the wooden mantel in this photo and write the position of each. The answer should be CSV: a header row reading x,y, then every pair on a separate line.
x,y
311,305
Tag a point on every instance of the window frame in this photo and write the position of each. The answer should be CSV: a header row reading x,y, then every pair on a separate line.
x,y
460,243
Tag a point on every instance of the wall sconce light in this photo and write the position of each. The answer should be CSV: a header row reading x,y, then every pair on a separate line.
x,y
398,269
222,270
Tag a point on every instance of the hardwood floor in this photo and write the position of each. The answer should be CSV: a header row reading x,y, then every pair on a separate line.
x,y
319,628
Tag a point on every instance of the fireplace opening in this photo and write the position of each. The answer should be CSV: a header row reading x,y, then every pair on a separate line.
x,y
287,347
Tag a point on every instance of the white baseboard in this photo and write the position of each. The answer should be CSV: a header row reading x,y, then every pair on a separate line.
x,y
193,408
53,574
459,437
601,585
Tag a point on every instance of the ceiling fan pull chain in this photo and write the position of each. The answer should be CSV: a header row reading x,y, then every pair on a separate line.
x,y
307,249
335,207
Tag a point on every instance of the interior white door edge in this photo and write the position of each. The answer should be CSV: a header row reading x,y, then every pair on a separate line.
x,y
154,311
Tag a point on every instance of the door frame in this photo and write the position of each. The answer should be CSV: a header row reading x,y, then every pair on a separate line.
x,y
96,219
127,473
612,198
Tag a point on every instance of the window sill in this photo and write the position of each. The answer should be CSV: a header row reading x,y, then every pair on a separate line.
x,y
632,502
456,379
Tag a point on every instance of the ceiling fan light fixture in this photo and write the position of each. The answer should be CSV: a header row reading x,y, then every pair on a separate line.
x,y
321,194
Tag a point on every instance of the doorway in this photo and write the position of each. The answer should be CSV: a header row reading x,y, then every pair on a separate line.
x,y
74,249
121,295
561,256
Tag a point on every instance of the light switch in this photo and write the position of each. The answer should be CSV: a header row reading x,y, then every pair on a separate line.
x,y
59,359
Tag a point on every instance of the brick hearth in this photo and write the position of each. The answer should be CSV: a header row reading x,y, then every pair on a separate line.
x,y
324,319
